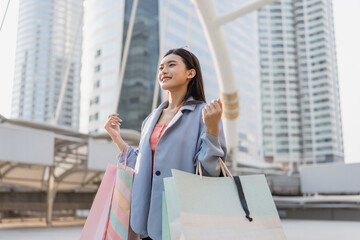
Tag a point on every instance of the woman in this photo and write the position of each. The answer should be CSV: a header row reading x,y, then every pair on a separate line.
x,y
180,132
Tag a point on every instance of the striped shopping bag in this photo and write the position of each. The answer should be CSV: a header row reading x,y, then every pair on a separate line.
x,y
109,216
118,226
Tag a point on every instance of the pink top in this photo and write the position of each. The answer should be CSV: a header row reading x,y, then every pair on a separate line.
x,y
154,138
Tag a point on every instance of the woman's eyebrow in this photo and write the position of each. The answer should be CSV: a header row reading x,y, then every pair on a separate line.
x,y
170,61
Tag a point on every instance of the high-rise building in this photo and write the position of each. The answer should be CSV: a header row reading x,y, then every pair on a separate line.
x,y
139,80
180,26
299,83
102,48
105,31
48,41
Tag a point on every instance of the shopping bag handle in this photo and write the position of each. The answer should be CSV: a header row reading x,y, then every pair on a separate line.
x,y
224,169
242,198
198,169
127,150
226,173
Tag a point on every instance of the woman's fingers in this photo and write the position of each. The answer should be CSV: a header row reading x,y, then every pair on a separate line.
x,y
208,108
217,106
112,115
116,118
220,103
212,116
115,122
213,107
204,111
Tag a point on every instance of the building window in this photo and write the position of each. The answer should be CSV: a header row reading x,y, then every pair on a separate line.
x,y
325,132
97,68
323,124
97,83
134,99
323,148
96,100
98,53
324,140
243,149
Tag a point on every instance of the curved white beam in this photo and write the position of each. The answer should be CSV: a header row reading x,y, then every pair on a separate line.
x,y
248,7
211,24
220,55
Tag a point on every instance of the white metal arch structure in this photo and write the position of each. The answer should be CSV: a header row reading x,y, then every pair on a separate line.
x,y
212,24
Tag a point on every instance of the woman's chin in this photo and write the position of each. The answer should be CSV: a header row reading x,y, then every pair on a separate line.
x,y
164,86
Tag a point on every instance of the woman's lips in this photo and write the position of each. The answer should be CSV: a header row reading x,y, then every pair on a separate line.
x,y
164,79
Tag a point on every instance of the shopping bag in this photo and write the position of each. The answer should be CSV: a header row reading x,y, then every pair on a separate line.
x,y
96,222
118,227
171,226
221,207
165,221
109,216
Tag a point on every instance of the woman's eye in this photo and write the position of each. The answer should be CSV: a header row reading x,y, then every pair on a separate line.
x,y
172,65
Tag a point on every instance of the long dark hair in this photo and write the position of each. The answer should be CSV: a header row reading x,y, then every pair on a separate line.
x,y
196,86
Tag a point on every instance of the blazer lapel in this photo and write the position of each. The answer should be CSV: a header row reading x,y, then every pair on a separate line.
x,y
149,126
189,105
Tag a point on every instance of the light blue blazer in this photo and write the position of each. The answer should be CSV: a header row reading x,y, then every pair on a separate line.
x,y
183,143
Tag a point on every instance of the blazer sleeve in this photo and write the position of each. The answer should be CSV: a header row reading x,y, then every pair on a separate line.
x,y
132,152
209,149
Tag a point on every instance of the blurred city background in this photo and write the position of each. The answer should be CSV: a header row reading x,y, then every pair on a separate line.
x,y
285,70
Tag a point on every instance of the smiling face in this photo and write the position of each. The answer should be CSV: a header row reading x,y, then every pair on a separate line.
x,y
173,74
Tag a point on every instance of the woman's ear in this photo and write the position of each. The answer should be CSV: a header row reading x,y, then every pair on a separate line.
x,y
192,73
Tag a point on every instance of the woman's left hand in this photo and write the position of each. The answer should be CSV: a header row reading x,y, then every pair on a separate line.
x,y
211,114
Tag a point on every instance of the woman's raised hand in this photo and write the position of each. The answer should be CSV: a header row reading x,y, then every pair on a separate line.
x,y
112,126
211,114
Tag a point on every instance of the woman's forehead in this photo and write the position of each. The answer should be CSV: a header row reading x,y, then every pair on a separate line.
x,y
171,57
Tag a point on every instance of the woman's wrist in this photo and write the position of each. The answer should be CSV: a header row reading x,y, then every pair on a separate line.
x,y
212,131
120,143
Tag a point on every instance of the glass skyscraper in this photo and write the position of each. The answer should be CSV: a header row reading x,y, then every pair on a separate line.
x,y
105,30
300,91
141,68
46,41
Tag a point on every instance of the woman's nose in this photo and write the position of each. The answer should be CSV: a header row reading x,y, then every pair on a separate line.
x,y
164,70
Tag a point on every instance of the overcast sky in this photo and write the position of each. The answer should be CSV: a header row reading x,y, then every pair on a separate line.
x,y
347,34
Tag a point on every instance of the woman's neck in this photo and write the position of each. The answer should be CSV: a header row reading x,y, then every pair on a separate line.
x,y
175,100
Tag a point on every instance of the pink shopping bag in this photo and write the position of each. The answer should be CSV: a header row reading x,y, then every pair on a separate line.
x,y
96,223
118,227
109,217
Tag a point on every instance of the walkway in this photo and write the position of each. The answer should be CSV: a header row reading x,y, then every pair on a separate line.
x,y
294,229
